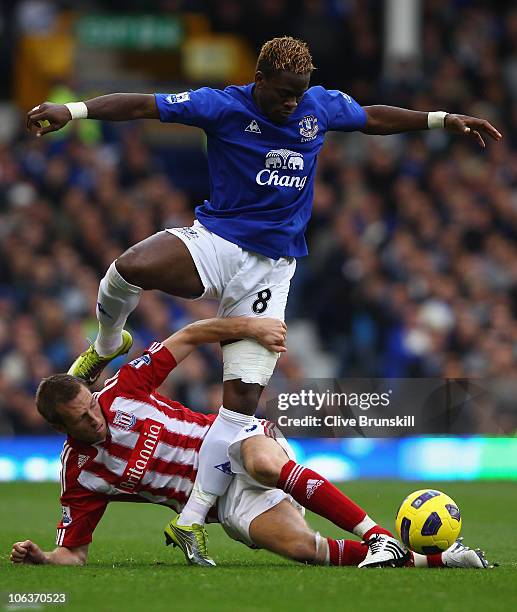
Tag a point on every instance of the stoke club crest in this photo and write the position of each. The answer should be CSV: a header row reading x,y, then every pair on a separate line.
x,y
124,420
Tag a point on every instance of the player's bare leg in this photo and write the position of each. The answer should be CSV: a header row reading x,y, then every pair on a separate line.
x,y
241,397
266,461
161,262
283,531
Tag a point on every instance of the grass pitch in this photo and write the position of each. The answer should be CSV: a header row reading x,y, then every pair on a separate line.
x,y
129,568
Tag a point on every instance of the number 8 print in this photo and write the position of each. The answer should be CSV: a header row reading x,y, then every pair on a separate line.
x,y
260,304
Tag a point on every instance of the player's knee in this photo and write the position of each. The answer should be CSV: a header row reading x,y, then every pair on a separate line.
x,y
263,467
129,266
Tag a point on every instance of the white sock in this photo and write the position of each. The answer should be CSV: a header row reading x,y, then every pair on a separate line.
x,y
419,560
213,474
199,504
115,302
361,528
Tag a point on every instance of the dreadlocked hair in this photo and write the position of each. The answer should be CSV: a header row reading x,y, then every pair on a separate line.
x,y
285,53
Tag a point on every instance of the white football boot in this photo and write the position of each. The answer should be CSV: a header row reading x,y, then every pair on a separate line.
x,y
385,551
459,555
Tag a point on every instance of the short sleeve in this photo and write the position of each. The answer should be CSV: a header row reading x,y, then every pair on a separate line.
x,y
80,514
81,510
344,113
200,107
145,374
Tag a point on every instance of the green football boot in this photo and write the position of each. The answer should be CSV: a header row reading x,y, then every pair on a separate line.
x,y
192,539
90,364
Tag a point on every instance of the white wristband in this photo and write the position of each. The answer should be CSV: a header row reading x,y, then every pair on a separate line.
x,y
436,119
78,110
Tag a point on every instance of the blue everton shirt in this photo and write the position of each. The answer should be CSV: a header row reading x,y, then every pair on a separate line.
x,y
261,173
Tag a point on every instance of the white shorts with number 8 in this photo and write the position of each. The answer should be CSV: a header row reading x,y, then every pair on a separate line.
x,y
246,284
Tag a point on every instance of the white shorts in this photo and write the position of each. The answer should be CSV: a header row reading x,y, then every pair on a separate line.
x,y
245,498
245,283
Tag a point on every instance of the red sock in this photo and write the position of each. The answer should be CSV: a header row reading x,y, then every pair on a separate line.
x,y
435,560
346,552
432,561
316,493
376,529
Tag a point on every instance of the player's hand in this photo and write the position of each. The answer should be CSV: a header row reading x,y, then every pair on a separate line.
x,y
27,552
471,126
270,333
57,115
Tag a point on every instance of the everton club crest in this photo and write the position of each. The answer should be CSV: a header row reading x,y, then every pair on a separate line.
x,y
308,128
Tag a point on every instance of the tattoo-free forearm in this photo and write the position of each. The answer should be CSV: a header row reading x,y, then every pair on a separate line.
x,y
393,120
206,331
217,330
122,107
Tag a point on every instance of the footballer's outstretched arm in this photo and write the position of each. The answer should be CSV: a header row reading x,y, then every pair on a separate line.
x,y
30,553
268,332
392,120
112,107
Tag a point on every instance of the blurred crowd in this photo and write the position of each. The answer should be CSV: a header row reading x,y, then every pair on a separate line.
x,y
413,254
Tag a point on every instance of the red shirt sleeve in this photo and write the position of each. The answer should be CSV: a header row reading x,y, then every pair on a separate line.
x,y
81,513
81,510
146,373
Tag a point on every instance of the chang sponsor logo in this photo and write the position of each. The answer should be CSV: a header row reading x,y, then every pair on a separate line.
x,y
282,159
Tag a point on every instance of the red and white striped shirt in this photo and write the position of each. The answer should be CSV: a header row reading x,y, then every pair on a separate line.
x,y
150,453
